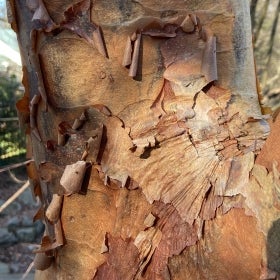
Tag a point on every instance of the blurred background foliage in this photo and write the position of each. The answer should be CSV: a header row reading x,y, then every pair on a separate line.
x,y
12,138
265,36
266,40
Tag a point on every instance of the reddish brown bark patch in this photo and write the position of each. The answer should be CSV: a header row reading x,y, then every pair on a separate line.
x,y
176,235
270,151
123,260
231,249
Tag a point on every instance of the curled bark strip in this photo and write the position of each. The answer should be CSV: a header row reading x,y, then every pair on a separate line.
x,y
61,138
92,145
59,239
205,33
135,57
48,244
34,101
209,61
161,30
77,19
89,142
194,19
40,12
33,111
79,122
72,177
42,261
64,130
35,59
41,87
42,92
84,155
127,53
133,37
103,109
159,34
188,25
53,211
150,220
41,17
98,41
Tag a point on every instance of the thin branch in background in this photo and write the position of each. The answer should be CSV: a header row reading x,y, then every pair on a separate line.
x,y
273,79
13,166
253,7
14,196
3,20
27,271
14,178
271,42
262,18
273,31
11,119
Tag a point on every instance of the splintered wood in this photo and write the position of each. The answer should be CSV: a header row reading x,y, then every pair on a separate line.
x,y
148,140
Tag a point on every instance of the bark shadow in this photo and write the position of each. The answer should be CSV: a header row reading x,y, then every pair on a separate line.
x,y
86,179
139,73
273,247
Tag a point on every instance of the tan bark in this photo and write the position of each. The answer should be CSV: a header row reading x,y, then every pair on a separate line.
x,y
158,99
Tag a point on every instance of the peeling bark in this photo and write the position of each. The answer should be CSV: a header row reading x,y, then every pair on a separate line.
x,y
151,110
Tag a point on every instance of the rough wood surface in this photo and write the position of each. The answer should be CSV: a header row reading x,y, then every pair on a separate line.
x,y
157,101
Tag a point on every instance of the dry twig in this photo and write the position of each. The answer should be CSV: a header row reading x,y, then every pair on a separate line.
x,y
14,196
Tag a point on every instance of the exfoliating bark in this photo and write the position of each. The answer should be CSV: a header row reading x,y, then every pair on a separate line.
x,y
145,126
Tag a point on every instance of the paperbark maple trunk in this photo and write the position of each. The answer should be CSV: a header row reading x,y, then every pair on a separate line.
x,y
144,119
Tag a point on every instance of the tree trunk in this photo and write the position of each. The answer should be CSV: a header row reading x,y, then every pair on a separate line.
x,y
145,121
